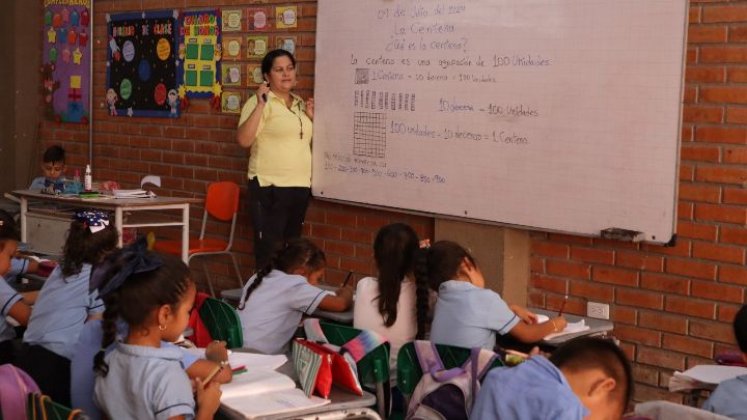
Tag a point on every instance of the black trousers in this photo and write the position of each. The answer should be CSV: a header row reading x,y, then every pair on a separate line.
x,y
277,215
50,371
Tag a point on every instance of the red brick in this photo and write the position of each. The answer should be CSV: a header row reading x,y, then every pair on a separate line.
x,y
687,172
727,313
721,134
660,358
685,210
729,13
690,95
733,235
665,283
550,249
735,115
696,231
736,74
686,267
681,248
700,153
713,331
550,284
646,374
693,14
341,219
727,175
570,239
736,274
620,314
721,213
649,393
339,248
687,133
703,114
689,345
705,74
663,322
717,291
735,155
638,335
592,255
710,251
700,192
639,261
536,265
568,269
326,232
691,58
639,298
737,34
719,54
592,291
690,306
614,276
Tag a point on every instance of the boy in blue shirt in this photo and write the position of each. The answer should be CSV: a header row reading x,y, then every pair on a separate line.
x,y
730,397
587,378
53,168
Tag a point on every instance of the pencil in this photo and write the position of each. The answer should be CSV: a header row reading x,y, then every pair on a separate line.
x,y
347,278
214,372
562,305
517,353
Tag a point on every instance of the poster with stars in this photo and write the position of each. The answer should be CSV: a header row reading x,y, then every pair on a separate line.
x,y
200,52
66,60
143,71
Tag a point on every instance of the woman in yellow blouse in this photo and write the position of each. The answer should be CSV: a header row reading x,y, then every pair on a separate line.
x,y
276,126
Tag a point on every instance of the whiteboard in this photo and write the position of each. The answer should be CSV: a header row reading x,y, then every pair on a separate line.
x,y
559,115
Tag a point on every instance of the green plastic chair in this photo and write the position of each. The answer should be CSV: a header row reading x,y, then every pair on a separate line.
x,y
373,369
41,407
223,322
409,371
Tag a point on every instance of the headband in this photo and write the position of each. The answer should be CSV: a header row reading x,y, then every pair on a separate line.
x,y
94,220
133,259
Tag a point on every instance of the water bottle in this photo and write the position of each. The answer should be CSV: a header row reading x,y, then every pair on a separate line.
x,y
88,179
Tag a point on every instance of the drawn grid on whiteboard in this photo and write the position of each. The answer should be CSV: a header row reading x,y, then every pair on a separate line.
x,y
369,134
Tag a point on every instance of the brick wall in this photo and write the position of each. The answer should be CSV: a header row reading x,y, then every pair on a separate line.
x,y
671,306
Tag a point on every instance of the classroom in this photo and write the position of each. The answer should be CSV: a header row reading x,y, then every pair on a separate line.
x,y
602,177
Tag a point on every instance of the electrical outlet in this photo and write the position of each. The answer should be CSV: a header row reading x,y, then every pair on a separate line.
x,y
598,310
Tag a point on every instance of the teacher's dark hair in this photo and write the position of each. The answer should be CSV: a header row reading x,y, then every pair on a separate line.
x,y
270,59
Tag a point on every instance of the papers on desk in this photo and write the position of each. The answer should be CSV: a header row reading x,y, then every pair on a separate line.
x,y
251,361
704,377
136,193
570,328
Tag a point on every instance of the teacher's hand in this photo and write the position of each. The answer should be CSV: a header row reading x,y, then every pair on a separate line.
x,y
310,108
262,92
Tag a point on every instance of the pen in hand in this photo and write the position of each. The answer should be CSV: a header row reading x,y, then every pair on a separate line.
x,y
347,278
562,306
213,373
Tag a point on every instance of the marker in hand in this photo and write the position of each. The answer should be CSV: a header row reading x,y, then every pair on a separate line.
x,y
264,95
212,374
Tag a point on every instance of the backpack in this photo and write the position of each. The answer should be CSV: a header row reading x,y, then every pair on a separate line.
x,y
447,394
15,385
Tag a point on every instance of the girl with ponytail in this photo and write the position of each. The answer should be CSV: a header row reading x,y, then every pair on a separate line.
x,y
274,300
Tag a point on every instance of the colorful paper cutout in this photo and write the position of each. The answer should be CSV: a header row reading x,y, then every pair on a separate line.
x,y
287,43
231,20
231,74
254,74
232,47
230,102
286,17
258,18
142,64
257,46
201,37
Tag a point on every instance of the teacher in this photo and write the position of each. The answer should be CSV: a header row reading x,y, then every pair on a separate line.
x,y
276,127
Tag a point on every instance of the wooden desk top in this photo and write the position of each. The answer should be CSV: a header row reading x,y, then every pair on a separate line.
x,y
106,201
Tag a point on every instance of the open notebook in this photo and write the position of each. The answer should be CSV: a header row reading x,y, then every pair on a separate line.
x,y
570,328
704,377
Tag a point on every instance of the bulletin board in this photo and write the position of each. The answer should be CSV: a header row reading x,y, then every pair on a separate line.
x,y
554,115
143,73
66,60
200,50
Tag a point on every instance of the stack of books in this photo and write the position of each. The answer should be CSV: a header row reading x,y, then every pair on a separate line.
x,y
136,193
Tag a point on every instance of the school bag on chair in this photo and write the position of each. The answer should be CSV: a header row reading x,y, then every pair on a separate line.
x,y
15,386
447,394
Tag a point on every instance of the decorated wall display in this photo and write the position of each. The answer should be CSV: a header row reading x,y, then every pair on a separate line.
x,y
286,17
232,47
254,74
285,42
143,73
257,46
230,102
231,20
66,63
200,52
231,74
258,18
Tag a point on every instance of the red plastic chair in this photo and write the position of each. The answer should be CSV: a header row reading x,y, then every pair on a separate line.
x,y
221,203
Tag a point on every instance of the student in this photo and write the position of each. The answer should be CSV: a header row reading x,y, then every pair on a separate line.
x,y
467,314
53,168
730,397
391,304
82,377
12,303
20,266
586,378
65,303
141,379
274,300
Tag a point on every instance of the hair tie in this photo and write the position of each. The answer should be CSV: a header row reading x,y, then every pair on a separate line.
x,y
134,259
94,220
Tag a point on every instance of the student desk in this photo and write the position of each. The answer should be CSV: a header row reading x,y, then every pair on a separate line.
x,y
116,205
340,401
339,317
597,327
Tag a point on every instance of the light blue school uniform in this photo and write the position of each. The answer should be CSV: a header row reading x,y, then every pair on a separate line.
x,y
144,383
38,183
729,399
274,309
469,316
533,390
18,266
82,376
8,298
63,305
